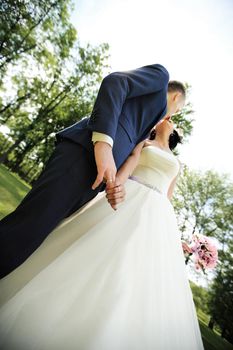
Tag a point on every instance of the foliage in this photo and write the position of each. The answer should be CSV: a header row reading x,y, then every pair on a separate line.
x,y
203,202
38,29
221,295
200,297
48,80
184,119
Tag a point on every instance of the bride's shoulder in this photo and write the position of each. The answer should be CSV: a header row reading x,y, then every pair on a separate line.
x,y
146,143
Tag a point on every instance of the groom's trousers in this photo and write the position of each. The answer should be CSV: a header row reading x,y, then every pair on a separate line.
x,y
62,188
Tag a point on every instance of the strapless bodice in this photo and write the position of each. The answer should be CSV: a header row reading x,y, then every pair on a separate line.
x,y
157,168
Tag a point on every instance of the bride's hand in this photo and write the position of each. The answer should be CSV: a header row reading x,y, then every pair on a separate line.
x,y
115,193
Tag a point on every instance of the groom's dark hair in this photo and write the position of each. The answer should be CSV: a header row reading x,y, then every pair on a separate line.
x,y
175,85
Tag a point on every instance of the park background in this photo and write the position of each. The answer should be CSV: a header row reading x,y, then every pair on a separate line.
x,y
53,57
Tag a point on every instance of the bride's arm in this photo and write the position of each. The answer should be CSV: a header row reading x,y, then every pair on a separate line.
x,y
115,193
130,164
172,185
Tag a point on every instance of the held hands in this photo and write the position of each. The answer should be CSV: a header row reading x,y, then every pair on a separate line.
x,y
106,172
115,193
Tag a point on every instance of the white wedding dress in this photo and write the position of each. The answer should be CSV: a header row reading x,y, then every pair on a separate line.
x,y
105,279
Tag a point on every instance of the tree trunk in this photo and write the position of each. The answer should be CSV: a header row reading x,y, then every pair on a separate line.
x,y
223,332
26,174
4,157
19,157
211,323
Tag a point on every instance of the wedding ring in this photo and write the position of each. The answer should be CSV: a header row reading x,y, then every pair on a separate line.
x,y
105,180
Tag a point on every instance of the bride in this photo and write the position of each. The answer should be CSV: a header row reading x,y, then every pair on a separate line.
x,y
109,280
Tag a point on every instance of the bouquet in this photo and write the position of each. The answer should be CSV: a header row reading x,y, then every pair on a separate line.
x,y
204,251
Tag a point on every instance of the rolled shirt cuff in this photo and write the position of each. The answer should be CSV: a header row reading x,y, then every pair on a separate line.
x,y
98,136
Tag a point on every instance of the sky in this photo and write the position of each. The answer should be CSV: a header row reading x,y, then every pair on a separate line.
x,y
193,39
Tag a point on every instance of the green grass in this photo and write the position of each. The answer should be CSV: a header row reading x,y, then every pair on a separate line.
x,y
212,340
12,191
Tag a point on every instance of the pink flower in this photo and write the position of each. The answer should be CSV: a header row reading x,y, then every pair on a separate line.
x,y
203,250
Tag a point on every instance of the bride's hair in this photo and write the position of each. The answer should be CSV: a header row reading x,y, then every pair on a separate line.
x,y
174,138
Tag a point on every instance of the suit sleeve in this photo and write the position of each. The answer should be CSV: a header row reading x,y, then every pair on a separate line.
x,y
119,86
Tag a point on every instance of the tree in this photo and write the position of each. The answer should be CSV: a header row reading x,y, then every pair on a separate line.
x,y
52,80
54,103
203,203
30,29
221,295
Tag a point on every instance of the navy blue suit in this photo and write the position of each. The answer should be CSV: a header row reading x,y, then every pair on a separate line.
x,y
127,106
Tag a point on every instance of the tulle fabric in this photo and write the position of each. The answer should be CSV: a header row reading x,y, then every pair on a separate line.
x,y
104,280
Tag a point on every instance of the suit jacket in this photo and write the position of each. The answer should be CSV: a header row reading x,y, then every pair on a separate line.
x,y
127,106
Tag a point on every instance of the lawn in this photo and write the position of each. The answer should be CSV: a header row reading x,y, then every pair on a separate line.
x,y
211,339
12,191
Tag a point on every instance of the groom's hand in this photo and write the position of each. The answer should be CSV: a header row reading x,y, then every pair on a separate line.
x,y
115,193
106,168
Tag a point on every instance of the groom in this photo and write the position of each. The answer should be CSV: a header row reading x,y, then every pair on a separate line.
x,y
87,155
